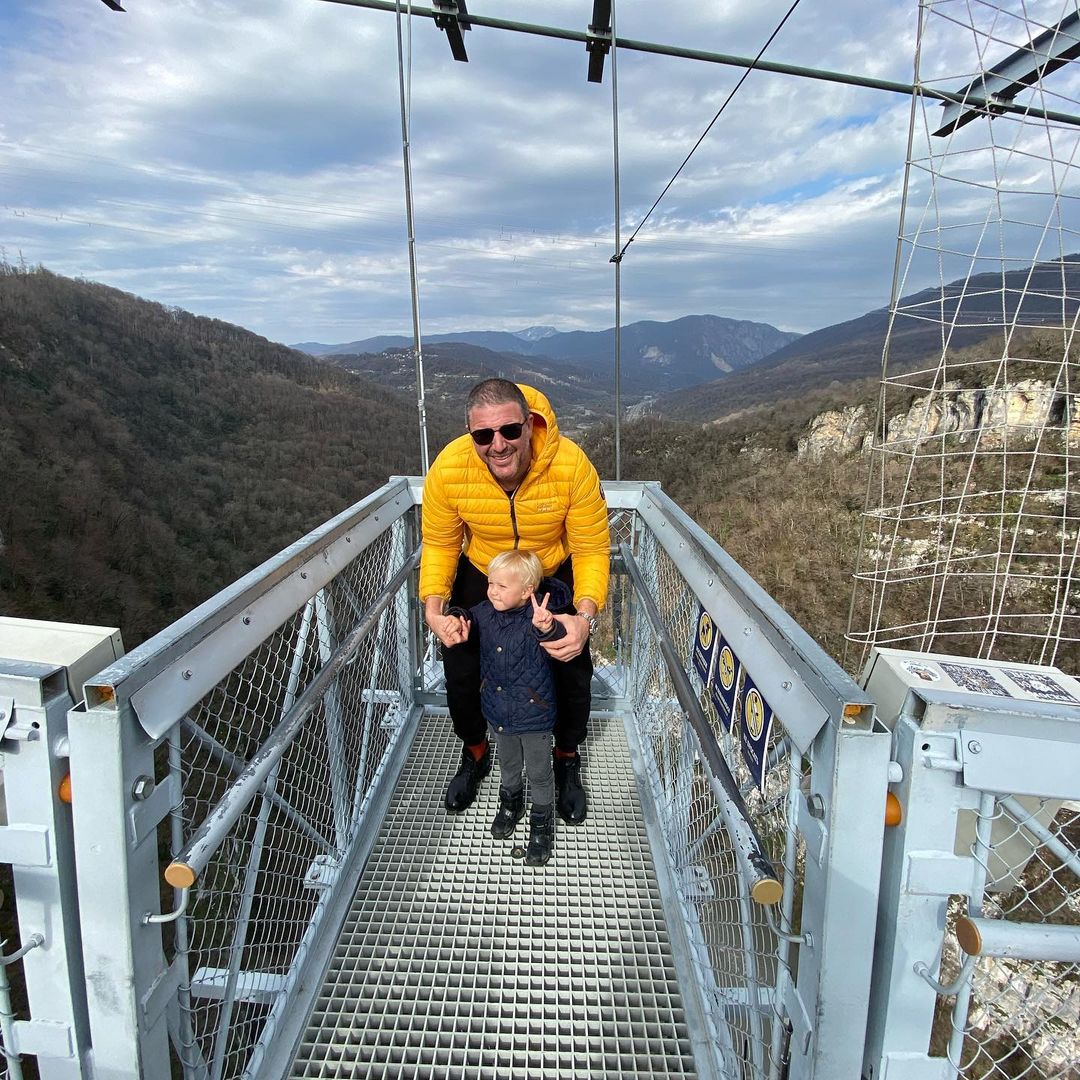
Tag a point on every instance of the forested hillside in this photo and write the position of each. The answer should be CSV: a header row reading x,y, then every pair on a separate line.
x,y
793,525
150,456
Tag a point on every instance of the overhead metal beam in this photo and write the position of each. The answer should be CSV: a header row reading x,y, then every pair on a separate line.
x,y
448,16
1052,49
599,43
731,61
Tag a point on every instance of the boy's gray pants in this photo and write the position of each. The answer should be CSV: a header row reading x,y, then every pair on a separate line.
x,y
533,752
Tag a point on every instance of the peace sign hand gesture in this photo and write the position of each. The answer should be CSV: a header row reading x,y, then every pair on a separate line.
x,y
542,619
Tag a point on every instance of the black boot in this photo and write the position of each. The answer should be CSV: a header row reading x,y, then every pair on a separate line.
x,y
466,781
511,811
541,835
570,797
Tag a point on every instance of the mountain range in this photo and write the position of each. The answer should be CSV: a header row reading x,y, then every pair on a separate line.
x,y
681,353
702,368
980,307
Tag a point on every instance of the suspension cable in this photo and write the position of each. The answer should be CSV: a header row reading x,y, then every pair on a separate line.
x,y
406,120
617,258
726,102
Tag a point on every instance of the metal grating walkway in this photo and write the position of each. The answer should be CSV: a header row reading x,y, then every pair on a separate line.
x,y
458,961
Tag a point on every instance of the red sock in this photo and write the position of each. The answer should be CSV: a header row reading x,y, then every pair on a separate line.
x,y
478,749
564,755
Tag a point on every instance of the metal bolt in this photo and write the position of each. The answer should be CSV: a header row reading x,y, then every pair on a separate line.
x,y
186,674
303,575
348,539
143,788
785,685
975,747
747,631
247,620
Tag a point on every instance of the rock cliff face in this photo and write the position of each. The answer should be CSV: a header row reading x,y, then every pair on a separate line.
x,y
1024,407
836,432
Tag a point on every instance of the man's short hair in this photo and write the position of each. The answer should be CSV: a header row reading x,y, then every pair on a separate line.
x,y
496,392
524,565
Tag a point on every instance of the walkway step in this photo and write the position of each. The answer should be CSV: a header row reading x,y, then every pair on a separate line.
x,y
457,960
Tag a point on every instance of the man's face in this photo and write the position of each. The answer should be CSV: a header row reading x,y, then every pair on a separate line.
x,y
508,460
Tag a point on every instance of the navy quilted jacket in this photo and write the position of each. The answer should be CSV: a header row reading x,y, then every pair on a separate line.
x,y
517,690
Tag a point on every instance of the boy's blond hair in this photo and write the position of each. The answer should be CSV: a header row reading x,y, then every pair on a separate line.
x,y
524,565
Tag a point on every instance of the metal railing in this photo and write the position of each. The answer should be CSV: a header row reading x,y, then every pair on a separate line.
x,y
978,967
1019,1011
743,892
248,752
254,743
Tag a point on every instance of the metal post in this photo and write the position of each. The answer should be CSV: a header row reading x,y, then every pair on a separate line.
x,y
38,843
128,985
184,1038
335,736
979,871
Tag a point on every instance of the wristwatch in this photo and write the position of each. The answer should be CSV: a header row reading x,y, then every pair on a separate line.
x,y
590,619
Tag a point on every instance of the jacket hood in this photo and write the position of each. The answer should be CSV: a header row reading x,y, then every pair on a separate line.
x,y
545,436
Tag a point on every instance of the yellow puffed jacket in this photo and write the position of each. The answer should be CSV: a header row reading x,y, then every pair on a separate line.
x,y
557,510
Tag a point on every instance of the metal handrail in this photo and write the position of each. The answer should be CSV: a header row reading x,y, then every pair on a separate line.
x,y
185,868
765,887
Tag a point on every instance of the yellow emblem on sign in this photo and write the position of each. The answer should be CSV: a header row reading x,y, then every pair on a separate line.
x,y
705,630
754,713
727,668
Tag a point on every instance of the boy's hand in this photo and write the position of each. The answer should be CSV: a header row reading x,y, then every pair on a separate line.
x,y
449,629
542,619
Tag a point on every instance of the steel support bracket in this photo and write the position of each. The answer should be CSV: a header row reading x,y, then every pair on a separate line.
x,y
43,1038
162,993
802,1029
25,845
448,17
19,728
934,873
598,44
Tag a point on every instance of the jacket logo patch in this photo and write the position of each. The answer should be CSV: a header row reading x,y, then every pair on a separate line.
x,y
544,508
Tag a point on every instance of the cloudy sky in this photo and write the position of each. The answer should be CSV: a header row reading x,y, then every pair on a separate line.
x,y
244,161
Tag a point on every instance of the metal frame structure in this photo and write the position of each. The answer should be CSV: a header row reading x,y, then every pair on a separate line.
x,y
37,842
251,751
977,958
190,750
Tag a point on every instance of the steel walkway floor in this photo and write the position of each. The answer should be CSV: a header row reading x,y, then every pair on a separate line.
x,y
459,961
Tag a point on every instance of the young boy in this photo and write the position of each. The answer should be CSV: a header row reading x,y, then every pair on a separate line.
x,y
517,691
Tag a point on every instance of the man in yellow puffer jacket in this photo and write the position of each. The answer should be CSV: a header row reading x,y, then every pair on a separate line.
x,y
514,482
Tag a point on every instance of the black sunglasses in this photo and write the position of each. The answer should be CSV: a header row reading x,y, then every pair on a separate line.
x,y
485,436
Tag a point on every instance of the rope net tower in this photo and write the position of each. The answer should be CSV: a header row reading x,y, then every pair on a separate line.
x,y
972,523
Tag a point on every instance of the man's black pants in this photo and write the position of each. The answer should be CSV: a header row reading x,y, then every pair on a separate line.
x,y
461,664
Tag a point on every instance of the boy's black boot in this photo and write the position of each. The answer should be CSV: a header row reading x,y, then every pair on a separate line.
x,y
511,811
570,796
466,782
541,835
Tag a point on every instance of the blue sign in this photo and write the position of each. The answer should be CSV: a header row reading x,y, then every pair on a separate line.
x,y
704,640
754,730
725,681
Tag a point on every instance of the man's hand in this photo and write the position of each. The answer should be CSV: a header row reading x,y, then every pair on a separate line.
x,y
449,629
575,642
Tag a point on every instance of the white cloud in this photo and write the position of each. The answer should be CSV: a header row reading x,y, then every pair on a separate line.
x,y
245,161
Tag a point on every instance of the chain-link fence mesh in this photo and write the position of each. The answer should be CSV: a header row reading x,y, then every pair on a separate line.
x,y
1017,1017
259,900
740,962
